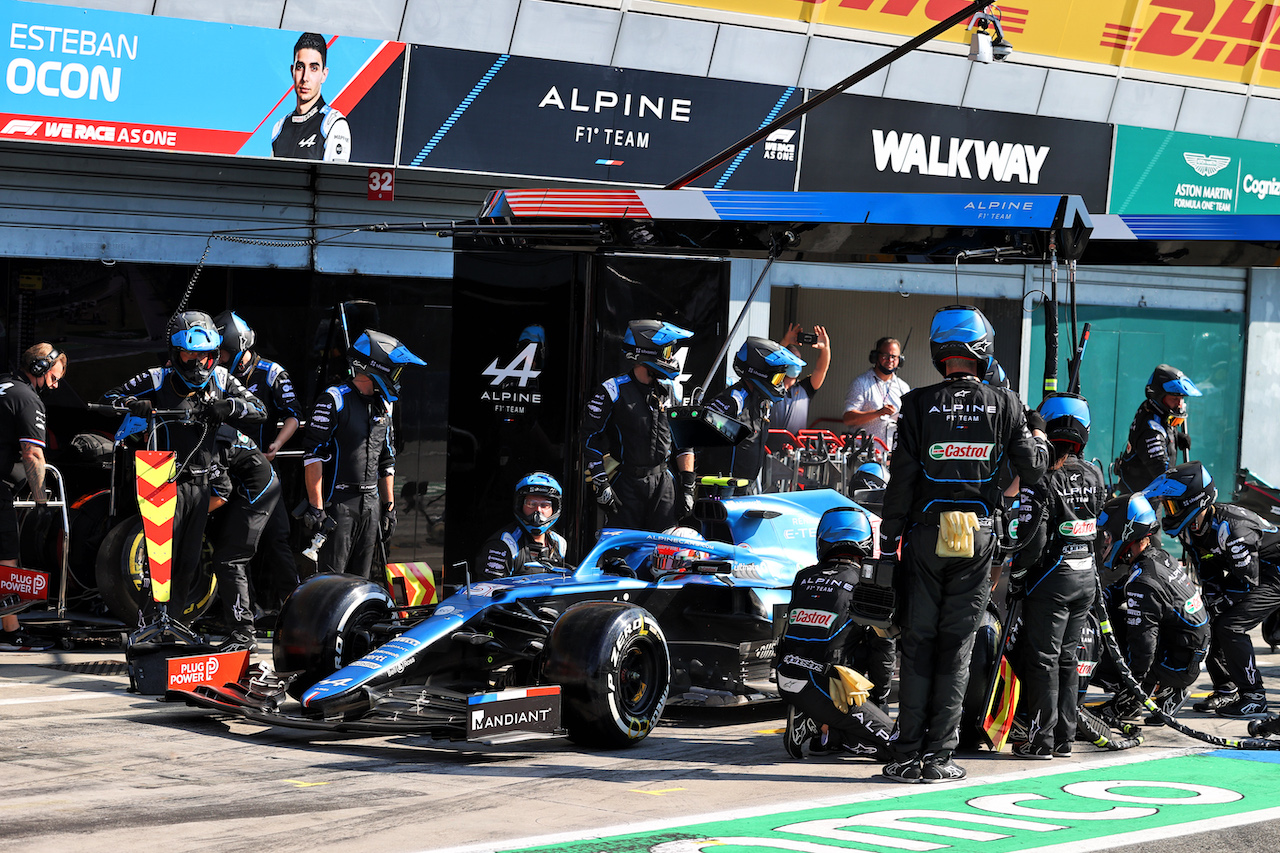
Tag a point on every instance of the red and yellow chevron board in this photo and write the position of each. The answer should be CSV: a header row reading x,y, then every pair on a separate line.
x,y
412,584
157,501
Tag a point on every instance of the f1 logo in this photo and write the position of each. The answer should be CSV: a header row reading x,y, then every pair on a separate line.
x,y
26,127
521,367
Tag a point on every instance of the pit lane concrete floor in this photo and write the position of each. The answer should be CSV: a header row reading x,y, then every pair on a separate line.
x,y
90,768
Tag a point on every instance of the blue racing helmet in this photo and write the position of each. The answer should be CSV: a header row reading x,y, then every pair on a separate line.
x,y
1167,379
382,358
961,331
995,375
870,475
1125,520
237,337
765,363
193,348
1182,492
537,484
653,343
844,530
1066,419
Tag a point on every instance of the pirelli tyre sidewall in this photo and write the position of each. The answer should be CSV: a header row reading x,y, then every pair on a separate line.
x,y
121,574
326,624
612,663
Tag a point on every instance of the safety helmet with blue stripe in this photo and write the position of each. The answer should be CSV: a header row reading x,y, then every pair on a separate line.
x,y
844,530
765,364
653,343
193,348
537,484
1168,380
1182,492
870,475
995,375
382,358
961,331
1125,520
237,337
1066,419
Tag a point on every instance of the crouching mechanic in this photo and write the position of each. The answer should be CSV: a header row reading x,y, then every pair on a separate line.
x,y
812,651
348,445
530,540
1236,554
1167,626
1053,571
192,381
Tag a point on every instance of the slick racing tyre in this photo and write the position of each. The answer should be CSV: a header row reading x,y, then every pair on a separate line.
x,y
612,664
981,666
121,571
326,624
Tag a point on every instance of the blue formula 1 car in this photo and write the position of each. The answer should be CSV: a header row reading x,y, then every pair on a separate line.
x,y
594,653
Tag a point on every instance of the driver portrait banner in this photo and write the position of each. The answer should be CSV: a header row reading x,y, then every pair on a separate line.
x,y
157,501
117,80
1231,40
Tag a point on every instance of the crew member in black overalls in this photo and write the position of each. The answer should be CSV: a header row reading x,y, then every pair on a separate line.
x,y
275,573
626,420
1156,434
349,466
1166,623
1053,570
952,439
816,640
245,495
1236,554
761,365
191,381
530,540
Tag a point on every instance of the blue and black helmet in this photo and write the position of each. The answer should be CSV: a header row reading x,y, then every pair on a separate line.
x,y
1125,520
653,343
765,363
1167,379
537,484
193,348
237,337
1066,419
844,530
382,358
870,475
995,375
1182,492
961,331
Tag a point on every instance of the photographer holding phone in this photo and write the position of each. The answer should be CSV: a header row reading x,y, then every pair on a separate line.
x,y
792,411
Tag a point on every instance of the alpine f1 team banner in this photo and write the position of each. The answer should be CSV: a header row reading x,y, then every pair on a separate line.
x,y
518,115
1235,40
1162,171
112,79
862,144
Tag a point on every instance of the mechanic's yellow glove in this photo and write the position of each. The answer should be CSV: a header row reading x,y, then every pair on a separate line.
x,y
848,687
955,534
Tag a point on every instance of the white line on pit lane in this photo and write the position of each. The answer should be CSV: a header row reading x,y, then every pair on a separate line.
x,y
61,697
890,792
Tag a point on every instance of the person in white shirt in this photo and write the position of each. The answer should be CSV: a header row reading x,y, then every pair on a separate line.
x,y
875,397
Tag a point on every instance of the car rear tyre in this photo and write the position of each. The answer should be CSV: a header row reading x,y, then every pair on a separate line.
x,y
613,666
326,624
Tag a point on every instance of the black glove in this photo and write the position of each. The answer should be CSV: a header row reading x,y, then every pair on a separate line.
x,y
222,409
1182,441
313,518
604,494
1017,586
1035,421
138,408
688,490
388,523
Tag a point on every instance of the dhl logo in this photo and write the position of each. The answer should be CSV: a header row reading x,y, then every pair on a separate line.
x,y
1194,29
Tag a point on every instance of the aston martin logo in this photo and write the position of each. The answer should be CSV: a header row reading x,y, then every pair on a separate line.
x,y
1206,164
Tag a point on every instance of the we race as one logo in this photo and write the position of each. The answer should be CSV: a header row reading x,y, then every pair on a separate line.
x,y
1083,528
821,618
961,450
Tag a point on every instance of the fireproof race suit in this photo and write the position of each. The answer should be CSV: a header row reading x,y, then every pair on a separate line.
x,y
252,491
625,419
1237,557
194,445
1057,521
507,551
22,421
1167,624
952,439
743,403
814,641
350,434
322,133
1149,453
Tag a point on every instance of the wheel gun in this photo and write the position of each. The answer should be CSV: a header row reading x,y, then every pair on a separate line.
x,y
317,542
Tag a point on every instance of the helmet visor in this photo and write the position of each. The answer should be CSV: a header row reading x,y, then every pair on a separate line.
x,y
199,360
776,379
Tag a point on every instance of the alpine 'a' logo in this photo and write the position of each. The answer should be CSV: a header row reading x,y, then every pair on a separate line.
x,y
961,450
1083,528
521,367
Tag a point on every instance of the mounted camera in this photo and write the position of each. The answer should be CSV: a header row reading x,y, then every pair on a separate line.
x,y
983,45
